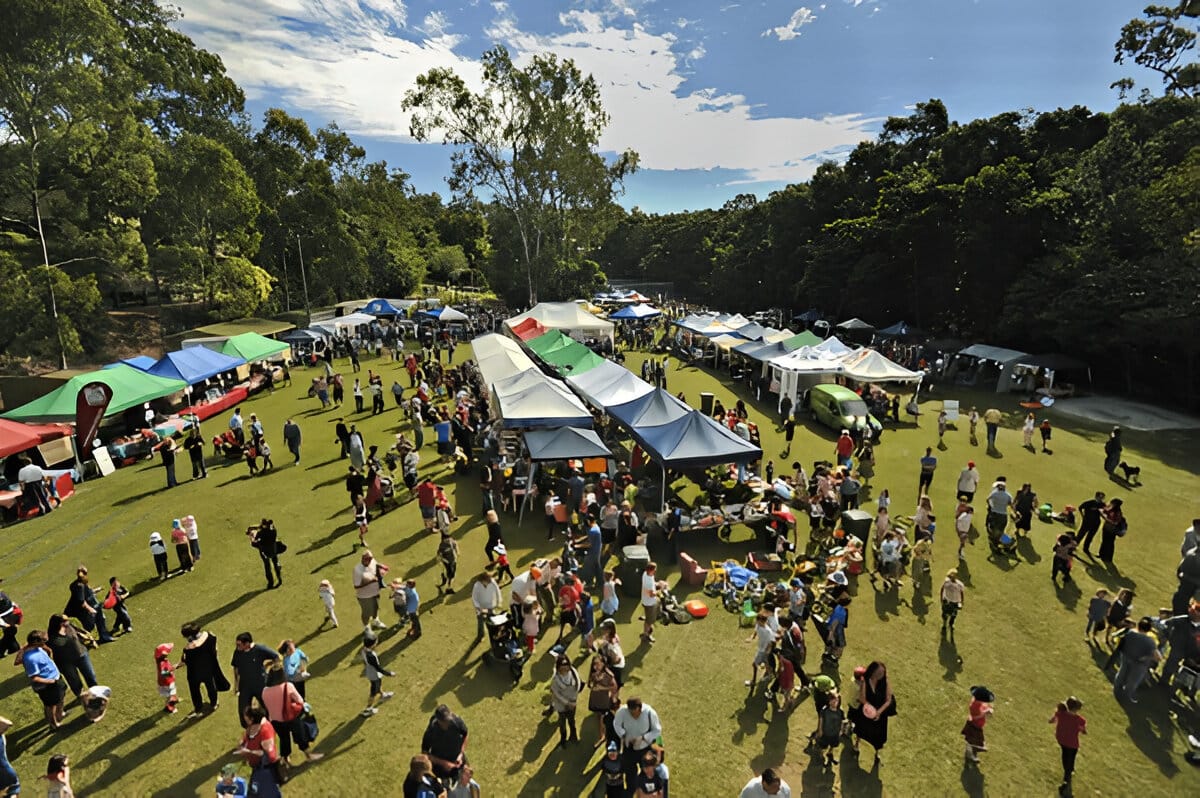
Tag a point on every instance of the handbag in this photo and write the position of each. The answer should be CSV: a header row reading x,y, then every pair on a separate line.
x,y
110,600
283,771
308,727
223,685
280,547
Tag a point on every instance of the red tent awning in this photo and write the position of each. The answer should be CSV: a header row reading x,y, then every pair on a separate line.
x,y
17,437
529,329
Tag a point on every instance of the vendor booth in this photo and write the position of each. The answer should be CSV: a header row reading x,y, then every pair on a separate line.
x,y
340,323
130,388
794,373
568,317
635,313
194,365
541,405
979,364
867,365
609,384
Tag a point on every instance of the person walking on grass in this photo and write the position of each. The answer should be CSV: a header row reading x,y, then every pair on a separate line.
x,y
565,687
978,712
972,425
373,672
447,554
292,438
768,784
928,466
951,595
991,420
942,420
1068,725
650,605
1139,653
968,482
367,577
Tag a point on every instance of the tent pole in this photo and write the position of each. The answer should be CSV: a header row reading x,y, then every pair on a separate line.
x,y
662,499
525,499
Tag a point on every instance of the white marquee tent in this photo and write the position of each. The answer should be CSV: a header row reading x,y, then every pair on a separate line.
x,y
342,322
609,384
867,365
567,317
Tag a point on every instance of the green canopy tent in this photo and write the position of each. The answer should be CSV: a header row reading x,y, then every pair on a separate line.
x,y
252,346
549,342
573,359
130,388
806,338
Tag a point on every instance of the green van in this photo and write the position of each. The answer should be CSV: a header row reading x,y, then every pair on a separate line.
x,y
835,406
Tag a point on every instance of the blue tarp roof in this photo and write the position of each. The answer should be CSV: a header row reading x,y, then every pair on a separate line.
x,y
654,409
695,441
381,307
640,311
139,362
194,364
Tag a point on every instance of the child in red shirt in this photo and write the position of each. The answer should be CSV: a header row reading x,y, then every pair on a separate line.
x,y
1068,725
979,711
166,676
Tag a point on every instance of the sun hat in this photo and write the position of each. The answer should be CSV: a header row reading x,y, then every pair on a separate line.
x,y
839,578
981,693
155,537
176,524
163,650
499,549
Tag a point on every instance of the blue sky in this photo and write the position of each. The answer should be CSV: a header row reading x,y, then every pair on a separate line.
x,y
719,97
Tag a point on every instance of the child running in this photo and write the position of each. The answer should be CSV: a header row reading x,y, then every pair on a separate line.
x,y
373,672
166,677
1097,612
979,710
326,592
361,519
1068,725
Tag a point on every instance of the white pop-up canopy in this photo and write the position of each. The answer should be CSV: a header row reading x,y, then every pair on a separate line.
x,y
609,384
568,317
867,365
343,322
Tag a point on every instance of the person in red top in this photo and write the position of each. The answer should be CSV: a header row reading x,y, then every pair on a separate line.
x,y
427,501
979,711
1068,725
258,748
845,447
410,365
569,594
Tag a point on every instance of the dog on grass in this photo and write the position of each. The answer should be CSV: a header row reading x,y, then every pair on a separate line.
x,y
1133,474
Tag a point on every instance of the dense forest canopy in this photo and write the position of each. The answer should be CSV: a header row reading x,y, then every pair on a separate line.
x,y
129,167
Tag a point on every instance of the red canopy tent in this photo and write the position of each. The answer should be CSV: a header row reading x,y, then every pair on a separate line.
x,y
17,437
529,329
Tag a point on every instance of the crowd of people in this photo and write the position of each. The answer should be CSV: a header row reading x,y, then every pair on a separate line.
x,y
575,591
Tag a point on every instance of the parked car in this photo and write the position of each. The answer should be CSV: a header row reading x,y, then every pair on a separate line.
x,y
836,406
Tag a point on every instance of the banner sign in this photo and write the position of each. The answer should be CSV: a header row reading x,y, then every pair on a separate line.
x,y
90,405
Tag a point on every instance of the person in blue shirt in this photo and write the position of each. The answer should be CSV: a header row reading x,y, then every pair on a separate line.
x,y
593,569
231,783
928,466
412,608
44,676
10,784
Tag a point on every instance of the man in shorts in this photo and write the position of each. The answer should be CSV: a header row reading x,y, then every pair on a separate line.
x,y
650,606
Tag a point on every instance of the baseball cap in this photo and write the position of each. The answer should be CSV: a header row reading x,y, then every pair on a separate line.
x,y
163,650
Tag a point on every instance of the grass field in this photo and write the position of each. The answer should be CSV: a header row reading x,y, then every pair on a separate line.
x,y
1018,634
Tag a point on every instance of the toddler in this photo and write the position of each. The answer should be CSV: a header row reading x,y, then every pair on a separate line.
x,y
182,550
361,518
373,672
609,603
231,783
116,602
159,549
412,608
166,676
531,621
399,602
326,592
502,564
193,537
1097,612
265,451
962,526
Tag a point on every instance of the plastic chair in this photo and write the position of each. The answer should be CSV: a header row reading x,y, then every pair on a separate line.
x,y
748,614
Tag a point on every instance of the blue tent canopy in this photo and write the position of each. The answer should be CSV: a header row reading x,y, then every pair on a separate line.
x,y
633,312
812,314
695,441
194,364
654,409
139,362
381,307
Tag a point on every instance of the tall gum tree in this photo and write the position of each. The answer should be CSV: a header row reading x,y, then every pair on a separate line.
x,y
528,141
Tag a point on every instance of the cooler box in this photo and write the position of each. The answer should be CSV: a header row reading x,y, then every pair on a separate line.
x,y
857,523
706,403
634,560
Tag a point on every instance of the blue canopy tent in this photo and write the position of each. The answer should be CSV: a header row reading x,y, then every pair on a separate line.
x,y
635,312
381,307
304,336
808,316
900,329
652,410
139,362
194,364
695,441
564,443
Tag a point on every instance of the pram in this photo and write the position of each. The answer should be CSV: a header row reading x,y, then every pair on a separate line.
x,y
504,645
1001,542
671,610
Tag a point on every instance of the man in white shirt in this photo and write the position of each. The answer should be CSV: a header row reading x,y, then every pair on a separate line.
x,y
650,608
968,481
367,575
768,783
523,586
33,483
235,425
485,597
638,727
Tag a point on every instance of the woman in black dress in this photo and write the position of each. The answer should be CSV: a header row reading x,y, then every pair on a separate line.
x,y
1113,528
199,657
1023,504
875,705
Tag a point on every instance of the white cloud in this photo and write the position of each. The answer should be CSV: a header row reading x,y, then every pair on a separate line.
x,y
435,23
800,17
339,61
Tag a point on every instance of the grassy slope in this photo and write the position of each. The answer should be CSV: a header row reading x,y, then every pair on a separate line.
x,y
1017,635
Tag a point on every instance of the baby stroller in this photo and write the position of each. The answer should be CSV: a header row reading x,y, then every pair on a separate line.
x,y
671,610
504,646
1003,544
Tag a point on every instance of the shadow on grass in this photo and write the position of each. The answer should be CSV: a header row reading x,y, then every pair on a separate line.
x,y
196,778
229,606
859,782
1108,575
818,780
326,663
137,497
1068,593
972,780
949,657
1027,551
329,539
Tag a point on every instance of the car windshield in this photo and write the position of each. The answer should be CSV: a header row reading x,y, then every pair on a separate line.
x,y
854,407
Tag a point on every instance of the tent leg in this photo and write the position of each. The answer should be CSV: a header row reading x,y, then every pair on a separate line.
x,y
662,499
525,499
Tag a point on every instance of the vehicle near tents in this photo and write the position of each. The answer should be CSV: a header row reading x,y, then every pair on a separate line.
x,y
836,406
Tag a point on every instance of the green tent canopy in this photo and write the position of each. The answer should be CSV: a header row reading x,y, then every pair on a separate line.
x,y
806,338
130,388
549,342
252,346
573,359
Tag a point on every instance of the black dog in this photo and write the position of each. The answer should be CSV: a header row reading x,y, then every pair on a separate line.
x,y
1133,474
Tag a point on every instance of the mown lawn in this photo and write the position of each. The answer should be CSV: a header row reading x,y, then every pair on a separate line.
x,y
1018,634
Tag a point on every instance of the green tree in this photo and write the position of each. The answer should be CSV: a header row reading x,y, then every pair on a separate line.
x,y
528,142
1161,43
